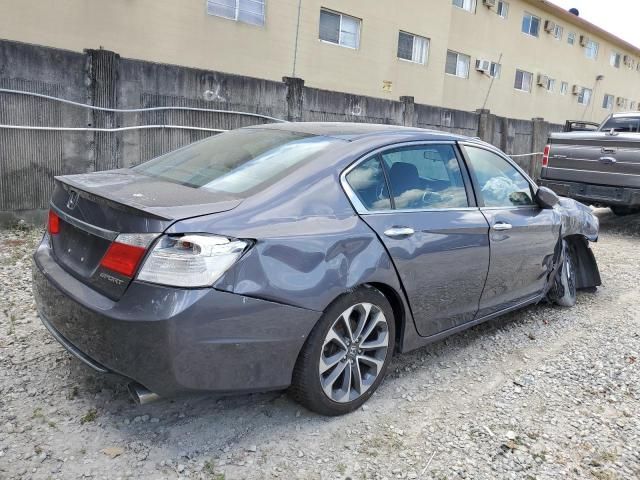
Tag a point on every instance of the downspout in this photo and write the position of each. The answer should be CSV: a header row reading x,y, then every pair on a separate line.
x,y
295,48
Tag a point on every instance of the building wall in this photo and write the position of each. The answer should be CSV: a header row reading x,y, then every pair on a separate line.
x,y
181,33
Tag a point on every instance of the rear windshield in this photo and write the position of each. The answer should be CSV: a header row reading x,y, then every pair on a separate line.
x,y
622,124
239,161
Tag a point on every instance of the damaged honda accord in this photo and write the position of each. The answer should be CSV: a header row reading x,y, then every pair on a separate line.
x,y
300,256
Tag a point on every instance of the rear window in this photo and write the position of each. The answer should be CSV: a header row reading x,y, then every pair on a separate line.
x,y
622,124
239,161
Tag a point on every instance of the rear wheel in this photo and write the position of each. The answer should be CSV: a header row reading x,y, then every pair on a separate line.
x,y
346,355
564,289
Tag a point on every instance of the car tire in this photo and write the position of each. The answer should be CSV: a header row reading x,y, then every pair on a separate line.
x,y
622,211
564,289
340,364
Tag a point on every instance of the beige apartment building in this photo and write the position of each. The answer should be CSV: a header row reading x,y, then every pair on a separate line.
x,y
517,58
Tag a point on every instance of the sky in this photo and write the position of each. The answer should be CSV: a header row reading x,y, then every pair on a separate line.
x,y
619,17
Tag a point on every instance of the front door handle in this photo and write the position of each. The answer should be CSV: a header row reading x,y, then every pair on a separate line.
x,y
607,160
500,226
608,150
399,232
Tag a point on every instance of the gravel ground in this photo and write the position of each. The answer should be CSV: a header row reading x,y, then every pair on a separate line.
x,y
541,393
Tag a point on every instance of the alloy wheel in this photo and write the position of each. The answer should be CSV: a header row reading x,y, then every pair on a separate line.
x,y
353,352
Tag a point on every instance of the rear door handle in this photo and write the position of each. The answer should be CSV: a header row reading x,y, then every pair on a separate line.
x,y
607,160
500,226
399,232
608,150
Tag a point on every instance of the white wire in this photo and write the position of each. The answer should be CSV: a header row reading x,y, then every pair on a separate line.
x,y
136,110
118,129
526,154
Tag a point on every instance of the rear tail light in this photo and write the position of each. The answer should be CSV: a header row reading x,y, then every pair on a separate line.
x,y
191,260
53,226
545,155
126,252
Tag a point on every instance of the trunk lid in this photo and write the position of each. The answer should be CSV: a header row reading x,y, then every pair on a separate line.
x,y
596,158
94,208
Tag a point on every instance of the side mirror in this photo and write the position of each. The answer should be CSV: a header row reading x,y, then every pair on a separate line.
x,y
546,198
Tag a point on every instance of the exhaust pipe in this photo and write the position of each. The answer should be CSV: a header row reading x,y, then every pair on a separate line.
x,y
140,394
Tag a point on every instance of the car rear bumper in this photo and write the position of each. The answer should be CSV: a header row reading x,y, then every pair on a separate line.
x,y
595,194
172,340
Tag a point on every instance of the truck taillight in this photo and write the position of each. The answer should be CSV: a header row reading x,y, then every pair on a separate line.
x,y
545,155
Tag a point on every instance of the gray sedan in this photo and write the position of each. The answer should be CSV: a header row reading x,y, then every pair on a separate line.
x,y
300,256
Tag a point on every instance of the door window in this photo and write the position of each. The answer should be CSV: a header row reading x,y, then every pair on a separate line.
x,y
424,177
368,182
501,184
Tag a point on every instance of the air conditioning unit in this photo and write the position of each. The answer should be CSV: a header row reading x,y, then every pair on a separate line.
x,y
489,3
584,40
620,101
576,90
483,66
549,26
543,80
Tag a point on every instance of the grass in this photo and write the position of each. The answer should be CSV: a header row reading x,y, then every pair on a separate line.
x,y
90,416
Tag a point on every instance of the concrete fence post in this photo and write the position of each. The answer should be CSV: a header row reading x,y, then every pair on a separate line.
x,y
486,127
540,132
408,111
295,98
102,84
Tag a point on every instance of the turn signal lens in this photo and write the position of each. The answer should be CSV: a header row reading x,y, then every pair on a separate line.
x,y
126,252
53,226
545,155
191,260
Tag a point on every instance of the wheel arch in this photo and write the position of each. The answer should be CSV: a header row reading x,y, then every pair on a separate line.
x,y
399,308
588,275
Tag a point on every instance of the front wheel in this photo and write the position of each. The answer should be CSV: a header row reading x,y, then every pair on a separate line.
x,y
346,355
564,289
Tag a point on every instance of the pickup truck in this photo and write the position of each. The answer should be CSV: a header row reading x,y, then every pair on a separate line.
x,y
601,168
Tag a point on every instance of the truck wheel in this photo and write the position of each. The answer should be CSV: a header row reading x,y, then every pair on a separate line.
x,y
346,354
563,292
621,211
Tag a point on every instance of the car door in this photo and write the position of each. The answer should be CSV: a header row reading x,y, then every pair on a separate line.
x,y
418,200
523,236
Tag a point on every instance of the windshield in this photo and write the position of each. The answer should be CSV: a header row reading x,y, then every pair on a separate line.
x,y
238,161
622,124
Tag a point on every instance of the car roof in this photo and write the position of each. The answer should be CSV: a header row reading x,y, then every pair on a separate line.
x,y
354,131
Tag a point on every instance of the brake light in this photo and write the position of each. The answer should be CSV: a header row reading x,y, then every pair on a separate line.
x,y
53,226
126,252
545,155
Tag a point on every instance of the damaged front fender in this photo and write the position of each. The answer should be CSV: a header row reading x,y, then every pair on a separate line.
x,y
579,227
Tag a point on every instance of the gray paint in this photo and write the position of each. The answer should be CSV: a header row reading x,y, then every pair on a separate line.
x,y
311,248
30,160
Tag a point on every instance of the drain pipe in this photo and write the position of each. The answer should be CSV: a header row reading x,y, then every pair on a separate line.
x,y
140,394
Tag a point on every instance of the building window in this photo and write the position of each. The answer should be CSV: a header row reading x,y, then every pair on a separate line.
x,y
495,69
571,38
246,11
457,64
557,32
591,49
469,5
607,102
502,9
615,59
564,86
339,29
523,81
530,24
632,106
413,47
585,96
551,84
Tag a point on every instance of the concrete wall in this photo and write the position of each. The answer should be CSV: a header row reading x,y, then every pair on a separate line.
x,y
181,32
30,159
